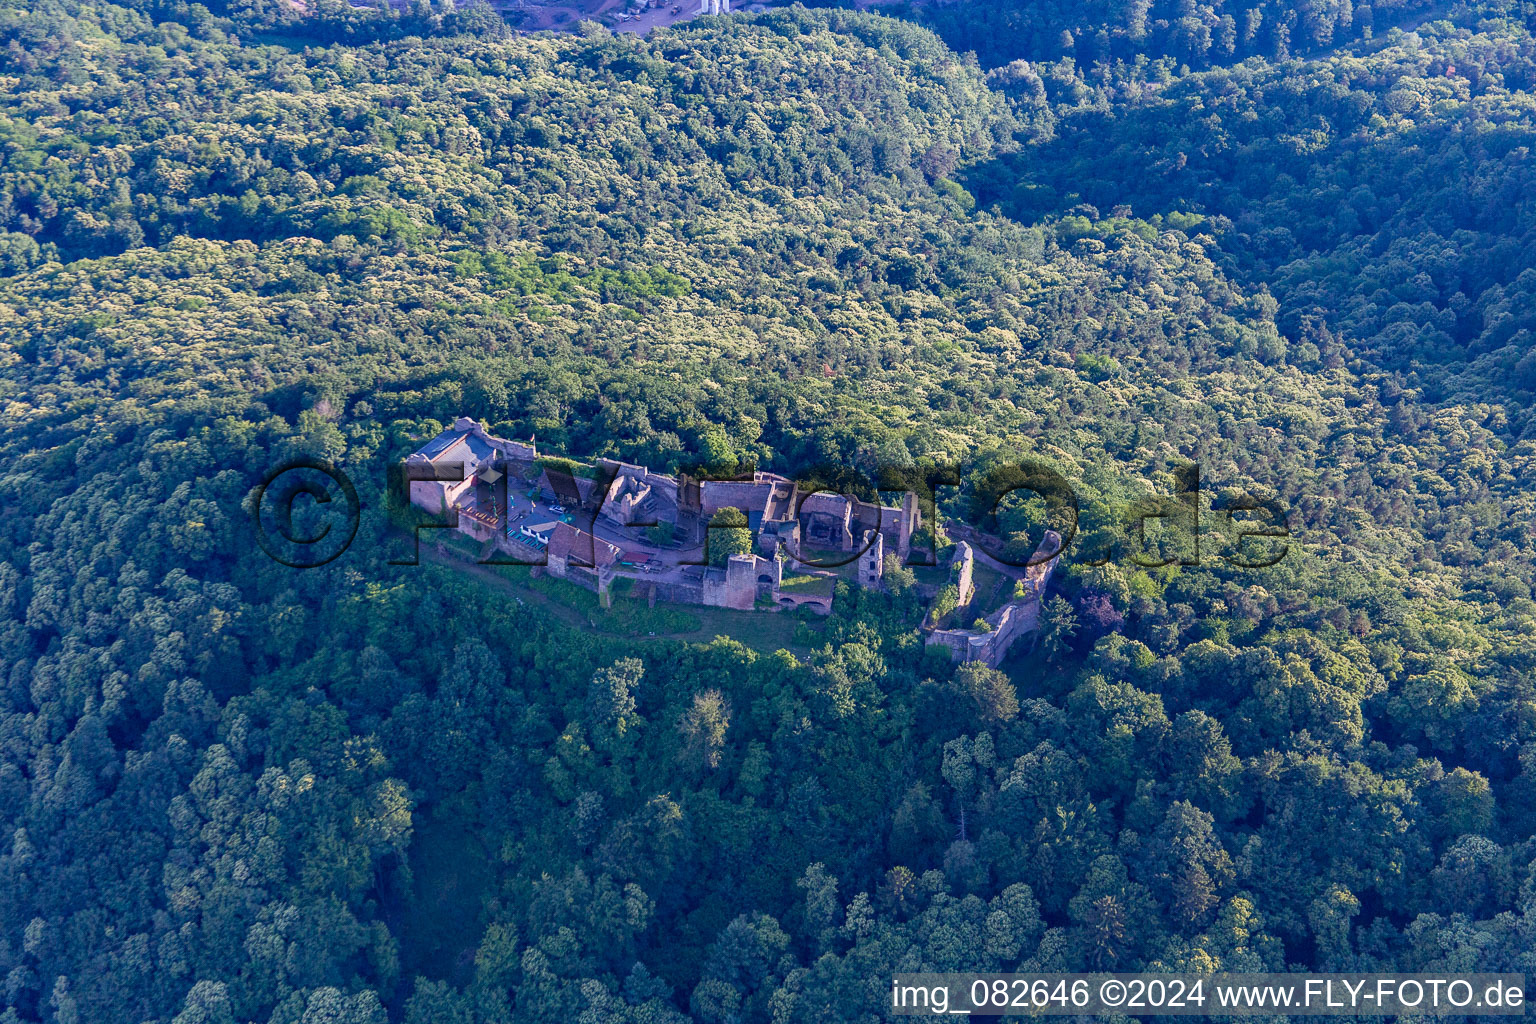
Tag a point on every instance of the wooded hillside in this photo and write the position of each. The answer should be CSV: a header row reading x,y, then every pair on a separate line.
x,y
235,791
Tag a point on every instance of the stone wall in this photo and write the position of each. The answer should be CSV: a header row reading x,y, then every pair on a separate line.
x,y
1011,621
965,567
816,602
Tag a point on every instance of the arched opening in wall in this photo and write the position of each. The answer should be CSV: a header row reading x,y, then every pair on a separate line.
x,y
764,578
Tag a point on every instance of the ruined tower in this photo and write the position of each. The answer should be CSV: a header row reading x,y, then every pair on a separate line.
x,y
872,561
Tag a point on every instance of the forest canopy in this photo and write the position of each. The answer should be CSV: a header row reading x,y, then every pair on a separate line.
x,y
1292,245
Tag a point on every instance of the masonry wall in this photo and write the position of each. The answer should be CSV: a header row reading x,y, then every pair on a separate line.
x,y
428,495
967,561
1010,622
435,496
953,640
671,593
813,601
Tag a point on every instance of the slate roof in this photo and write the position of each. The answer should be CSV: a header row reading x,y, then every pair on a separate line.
x,y
457,446
570,543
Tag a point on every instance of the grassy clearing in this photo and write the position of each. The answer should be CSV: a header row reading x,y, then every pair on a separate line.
x,y
821,586
764,631
629,616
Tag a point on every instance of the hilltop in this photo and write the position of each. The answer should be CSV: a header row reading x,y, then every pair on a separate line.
x,y
234,790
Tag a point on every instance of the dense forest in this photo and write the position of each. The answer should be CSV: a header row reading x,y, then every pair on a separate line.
x,y
1188,33
1291,244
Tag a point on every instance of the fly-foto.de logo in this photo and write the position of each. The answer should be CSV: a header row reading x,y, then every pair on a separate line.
x,y
522,506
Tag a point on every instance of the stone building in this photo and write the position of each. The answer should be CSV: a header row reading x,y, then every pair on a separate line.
x,y
636,496
578,556
737,585
840,522
463,470
466,471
